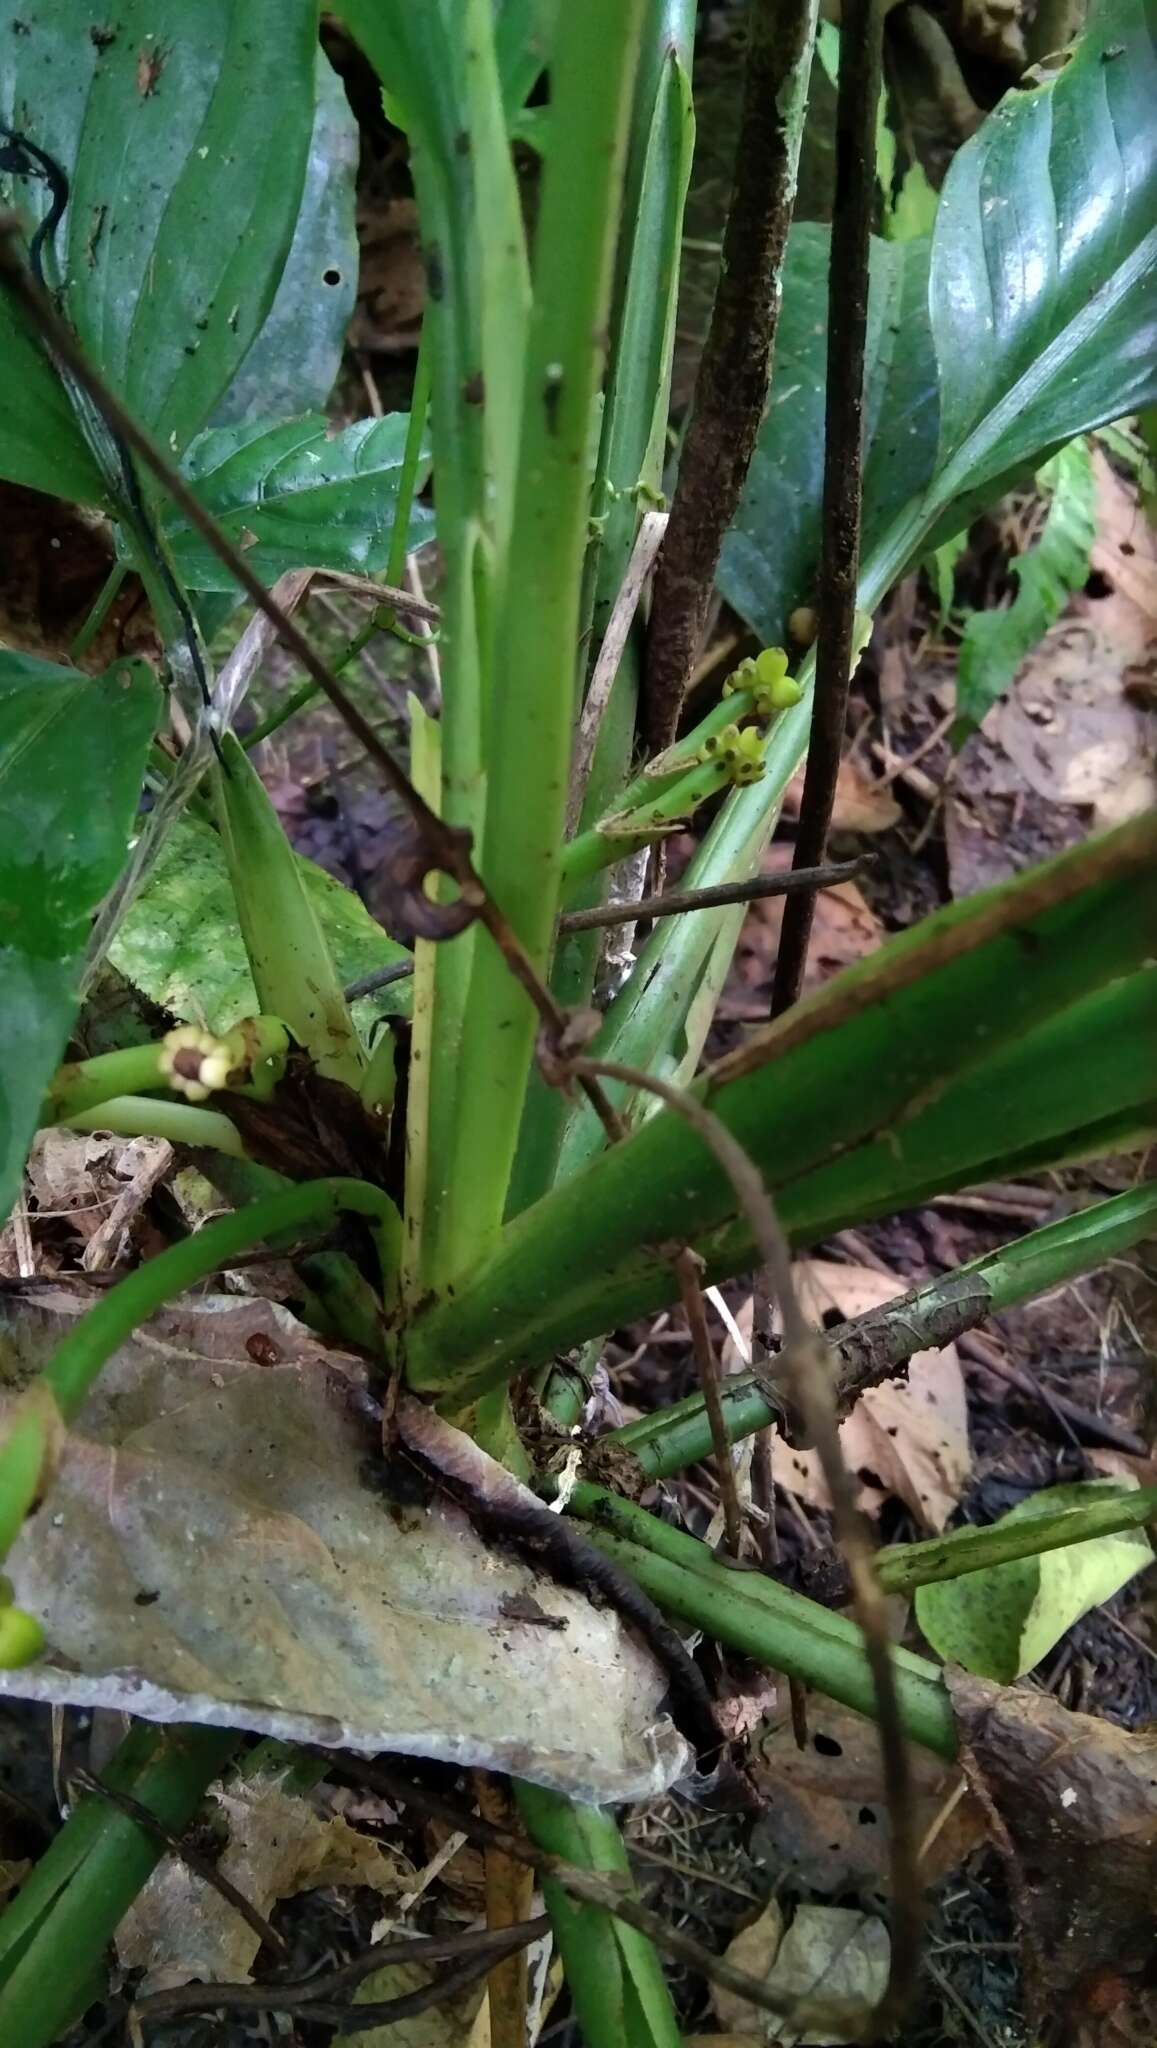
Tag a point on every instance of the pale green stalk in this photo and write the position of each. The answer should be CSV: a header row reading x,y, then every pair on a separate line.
x,y
529,731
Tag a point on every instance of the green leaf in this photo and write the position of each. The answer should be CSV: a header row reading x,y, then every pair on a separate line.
x,y
770,555
1001,1621
855,1067
293,365
1040,323
72,750
523,33
1043,289
292,497
995,643
41,444
181,943
184,133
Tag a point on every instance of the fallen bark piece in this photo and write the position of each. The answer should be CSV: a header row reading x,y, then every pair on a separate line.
x,y
1073,1806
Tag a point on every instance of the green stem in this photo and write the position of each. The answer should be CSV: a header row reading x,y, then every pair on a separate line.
x,y
378,622
926,1319
63,1386
827,1654
613,1973
281,713
254,1050
529,741
105,598
908,1565
54,1935
151,1116
411,457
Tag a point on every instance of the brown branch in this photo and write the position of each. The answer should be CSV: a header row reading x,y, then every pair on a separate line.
x,y
432,845
201,1866
595,1888
668,903
806,1366
687,1271
731,386
474,1950
856,105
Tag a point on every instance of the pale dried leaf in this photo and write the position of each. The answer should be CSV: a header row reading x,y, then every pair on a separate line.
x,y
283,1593
754,1949
861,804
910,1435
832,1961
180,1928
825,1826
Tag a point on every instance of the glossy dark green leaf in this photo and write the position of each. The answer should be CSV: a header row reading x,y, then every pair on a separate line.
x,y
292,366
72,750
184,133
40,442
1043,288
291,496
770,555
1041,312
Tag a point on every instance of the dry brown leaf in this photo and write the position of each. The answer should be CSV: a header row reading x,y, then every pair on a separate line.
x,y
825,1827
861,804
180,1929
284,1593
832,1961
754,1950
911,1435
1073,1802
1125,550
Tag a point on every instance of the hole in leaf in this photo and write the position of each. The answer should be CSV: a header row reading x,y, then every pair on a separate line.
x,y
331,276
826,1745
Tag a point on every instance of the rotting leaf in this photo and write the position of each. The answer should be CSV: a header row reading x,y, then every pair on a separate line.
x,y
1001,1621
1073,1802
825,1827
834,1961
291,1596
179,1928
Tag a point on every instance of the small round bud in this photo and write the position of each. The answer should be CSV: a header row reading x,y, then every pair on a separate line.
x,y
21,1638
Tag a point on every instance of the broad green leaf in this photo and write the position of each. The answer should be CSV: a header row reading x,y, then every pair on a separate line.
x,y
1040,323
856,1065
1043,289
291,496
41,444
72,751
996,642
293,365
1001,1621
770,555
184,133
181,943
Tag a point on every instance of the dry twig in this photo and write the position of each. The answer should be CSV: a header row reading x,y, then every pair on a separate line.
x,y
857,101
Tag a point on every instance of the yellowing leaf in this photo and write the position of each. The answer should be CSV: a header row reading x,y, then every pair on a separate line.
x,y
1001,1621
